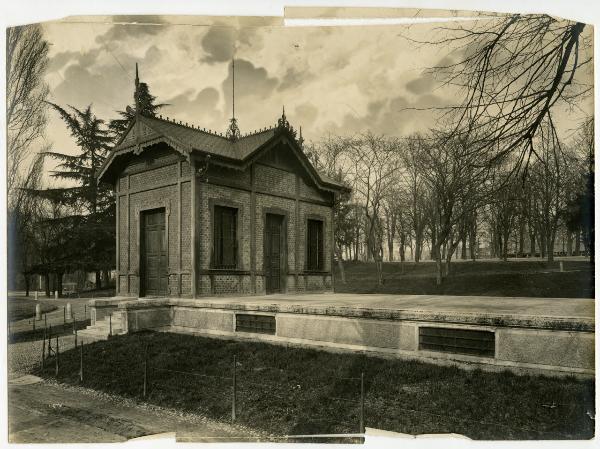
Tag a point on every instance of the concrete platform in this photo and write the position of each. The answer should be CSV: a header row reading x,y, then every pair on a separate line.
x,y
549,335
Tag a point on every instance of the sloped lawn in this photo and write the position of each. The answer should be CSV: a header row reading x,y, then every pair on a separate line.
x,y
474,278
293,391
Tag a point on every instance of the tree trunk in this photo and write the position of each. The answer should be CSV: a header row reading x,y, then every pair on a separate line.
x,y
418,248
550,246
47,284
531,245
472,245
98,280
569,243
463,249
521,238
438,265
578,242
402,247
391,249
27,282
59,284
340,263
106,278
542,239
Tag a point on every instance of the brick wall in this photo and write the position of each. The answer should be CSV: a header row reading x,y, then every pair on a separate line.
x,y
160,178
234,190
150,182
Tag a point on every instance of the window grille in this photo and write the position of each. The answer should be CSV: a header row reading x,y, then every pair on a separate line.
x,y
259,324
459,341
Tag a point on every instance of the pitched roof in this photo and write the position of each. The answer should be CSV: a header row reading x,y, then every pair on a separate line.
x,y
187,139
197,139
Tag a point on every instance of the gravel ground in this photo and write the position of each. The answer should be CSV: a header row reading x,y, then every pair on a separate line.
x,y
24,356
32,420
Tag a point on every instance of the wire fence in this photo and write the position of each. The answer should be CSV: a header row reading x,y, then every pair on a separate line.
x,y
41,324
158,373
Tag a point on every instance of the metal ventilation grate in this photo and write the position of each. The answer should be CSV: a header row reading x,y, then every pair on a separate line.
x,y
258,324
459,341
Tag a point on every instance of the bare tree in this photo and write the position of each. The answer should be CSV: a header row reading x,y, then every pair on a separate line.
x,y
513,70
457,185
26,92
374,165
416,193
503,210
22,232
548,180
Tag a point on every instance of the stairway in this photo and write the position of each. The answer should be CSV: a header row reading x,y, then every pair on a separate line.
x,y
109,325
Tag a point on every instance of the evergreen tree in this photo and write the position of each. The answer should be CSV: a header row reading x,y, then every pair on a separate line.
x,y
86,208
147,108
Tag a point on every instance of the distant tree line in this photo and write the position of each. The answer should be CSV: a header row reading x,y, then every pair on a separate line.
x,y
495,169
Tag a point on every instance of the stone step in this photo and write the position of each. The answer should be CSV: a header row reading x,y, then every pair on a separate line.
x,y
91,335
101,325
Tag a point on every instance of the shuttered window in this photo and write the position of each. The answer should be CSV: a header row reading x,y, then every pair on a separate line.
x,y
225,237
314,245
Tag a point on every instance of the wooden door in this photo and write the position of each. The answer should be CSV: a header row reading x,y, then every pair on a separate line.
x,y
154,253
274,239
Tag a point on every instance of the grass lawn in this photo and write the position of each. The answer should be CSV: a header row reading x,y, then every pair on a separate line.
x,y
21,308
479,278
293,391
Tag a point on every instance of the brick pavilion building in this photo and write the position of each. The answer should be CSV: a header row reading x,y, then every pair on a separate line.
x,y
200,213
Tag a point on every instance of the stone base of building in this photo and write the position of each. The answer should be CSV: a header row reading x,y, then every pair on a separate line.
x,y
523,343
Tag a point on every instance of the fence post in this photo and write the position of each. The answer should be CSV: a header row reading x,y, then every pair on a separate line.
x,y
57,353
233,391
45,321
84,312
64,316
33,324
110,325
49,340
75,331
44,348
362,403
145,370
80,362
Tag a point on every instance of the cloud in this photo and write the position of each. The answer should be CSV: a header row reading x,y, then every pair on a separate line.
x,y
252,84
220,42
396,116
121,32
153,56
305,114
199,108
293,78
425,83
106,88
62,59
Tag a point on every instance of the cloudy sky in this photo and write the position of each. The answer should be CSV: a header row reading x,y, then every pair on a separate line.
x,y
339,80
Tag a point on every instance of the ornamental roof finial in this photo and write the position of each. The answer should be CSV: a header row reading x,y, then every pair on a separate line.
x,y
137,90
301,139
233,132
283,121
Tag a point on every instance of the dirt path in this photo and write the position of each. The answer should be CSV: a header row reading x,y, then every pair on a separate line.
x,y
45,412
